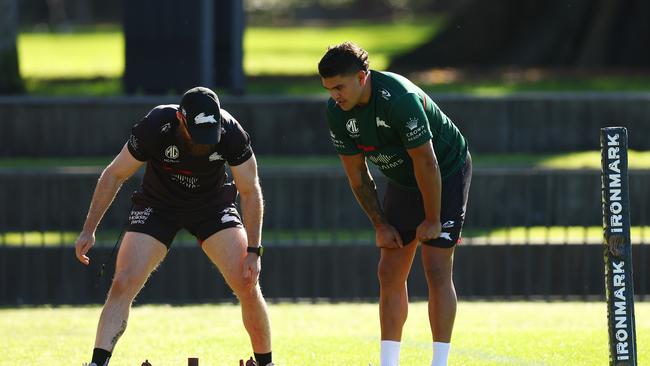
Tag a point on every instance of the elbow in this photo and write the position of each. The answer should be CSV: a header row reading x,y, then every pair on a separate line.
x,y
356,182
113,175
252,192
430,165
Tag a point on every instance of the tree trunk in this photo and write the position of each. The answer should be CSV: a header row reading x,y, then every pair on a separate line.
x,y
10,81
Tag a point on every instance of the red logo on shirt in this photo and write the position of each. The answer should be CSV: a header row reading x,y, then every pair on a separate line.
x,y
366,148
169,168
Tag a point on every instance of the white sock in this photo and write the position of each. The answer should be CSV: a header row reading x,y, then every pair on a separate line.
x,y
389,355
440,353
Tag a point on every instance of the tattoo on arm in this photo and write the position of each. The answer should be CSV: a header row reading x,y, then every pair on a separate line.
x,y
119,334
366,194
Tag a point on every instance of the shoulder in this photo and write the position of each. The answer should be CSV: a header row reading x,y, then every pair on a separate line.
x,y
159,117
229,123
232,132
390,86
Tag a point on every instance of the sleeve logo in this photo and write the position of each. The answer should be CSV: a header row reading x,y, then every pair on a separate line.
x,y
412,123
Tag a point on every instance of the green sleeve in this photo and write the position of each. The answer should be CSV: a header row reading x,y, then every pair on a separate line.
x,y
410,121
342,142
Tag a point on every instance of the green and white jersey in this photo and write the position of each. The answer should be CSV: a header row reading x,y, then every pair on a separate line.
x,y
399,116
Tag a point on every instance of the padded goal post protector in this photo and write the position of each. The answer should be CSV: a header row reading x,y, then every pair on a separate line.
x,y
619,285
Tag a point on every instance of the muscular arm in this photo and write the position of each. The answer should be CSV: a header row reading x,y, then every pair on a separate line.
x,y
252,204
364,189
252,207
119,170
427,175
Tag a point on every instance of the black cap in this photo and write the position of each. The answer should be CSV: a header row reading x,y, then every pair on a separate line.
x,y
202,111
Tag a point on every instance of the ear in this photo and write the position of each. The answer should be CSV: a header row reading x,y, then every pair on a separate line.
x,y
180,117
362,76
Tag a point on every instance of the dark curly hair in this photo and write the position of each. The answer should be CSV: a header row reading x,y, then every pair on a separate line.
x,y
343,59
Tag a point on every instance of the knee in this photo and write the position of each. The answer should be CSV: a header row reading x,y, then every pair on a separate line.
x,y
388,277
125,284
438,275
245,293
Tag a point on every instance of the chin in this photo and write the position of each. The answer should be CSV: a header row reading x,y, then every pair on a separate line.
x,y
345,108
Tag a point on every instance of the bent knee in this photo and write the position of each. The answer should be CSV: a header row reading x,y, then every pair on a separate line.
x,y
244,292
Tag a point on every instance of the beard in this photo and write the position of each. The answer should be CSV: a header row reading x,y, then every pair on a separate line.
x,y
190,146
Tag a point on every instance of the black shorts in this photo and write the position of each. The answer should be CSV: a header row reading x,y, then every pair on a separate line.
x,y
405,211
164,224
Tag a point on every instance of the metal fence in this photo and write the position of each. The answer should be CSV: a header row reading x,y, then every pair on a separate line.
x,y
314,206
529,234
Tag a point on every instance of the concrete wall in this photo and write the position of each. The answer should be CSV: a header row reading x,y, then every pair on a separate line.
x,y
539,122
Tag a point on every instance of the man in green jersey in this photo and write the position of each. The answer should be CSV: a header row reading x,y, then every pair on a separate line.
x,y
385,118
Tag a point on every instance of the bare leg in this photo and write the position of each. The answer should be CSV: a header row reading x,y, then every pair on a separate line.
x,y
139,255
393,270
227,250
438,265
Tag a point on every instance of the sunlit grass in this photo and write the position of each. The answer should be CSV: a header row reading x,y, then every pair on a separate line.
x,y
566,160
478,236
280,61
297,50
71,55
268,51
485,334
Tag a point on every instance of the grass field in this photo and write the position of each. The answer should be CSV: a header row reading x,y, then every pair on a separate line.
x,y
486,333
282,60
268,51
493,236
570,160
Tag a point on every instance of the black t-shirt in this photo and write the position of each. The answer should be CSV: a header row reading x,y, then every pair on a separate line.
x,y
173,178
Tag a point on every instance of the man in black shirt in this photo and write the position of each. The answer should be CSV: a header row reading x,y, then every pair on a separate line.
x,y
185,148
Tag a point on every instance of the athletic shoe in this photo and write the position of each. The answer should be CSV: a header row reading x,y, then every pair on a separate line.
x,y
252,362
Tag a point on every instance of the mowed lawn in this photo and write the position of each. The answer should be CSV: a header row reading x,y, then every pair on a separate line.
x,y
487,333
267,50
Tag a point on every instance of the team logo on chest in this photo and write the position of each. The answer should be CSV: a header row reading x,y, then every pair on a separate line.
x,y
352,127
381,123
215,156
385,94
171,152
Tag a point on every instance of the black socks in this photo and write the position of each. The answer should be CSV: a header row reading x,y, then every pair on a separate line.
x,y
101,357
263,359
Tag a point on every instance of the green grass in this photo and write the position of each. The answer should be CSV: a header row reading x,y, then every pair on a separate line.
x,y
297,50
91,62
471,236
283,60
570,160
71,55
486,333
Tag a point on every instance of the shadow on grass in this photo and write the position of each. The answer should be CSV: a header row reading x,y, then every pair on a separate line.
x,y
490,82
